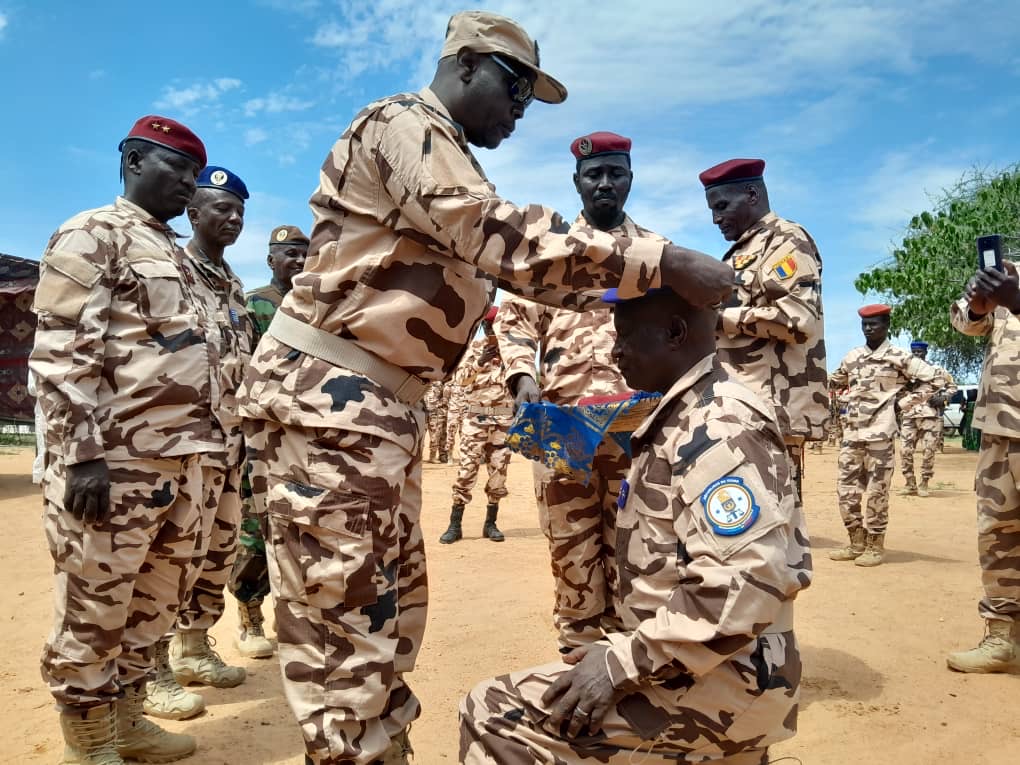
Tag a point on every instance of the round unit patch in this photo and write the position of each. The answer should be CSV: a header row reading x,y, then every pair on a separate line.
x,y
218,178
729,506
281,236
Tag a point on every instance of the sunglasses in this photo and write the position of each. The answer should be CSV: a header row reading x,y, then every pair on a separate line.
x,y
521,89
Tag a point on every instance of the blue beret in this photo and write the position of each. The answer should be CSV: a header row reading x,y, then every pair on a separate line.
x,y
918,344
213,177
611,295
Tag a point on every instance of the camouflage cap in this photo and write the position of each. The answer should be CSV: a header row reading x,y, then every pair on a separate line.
x,y
287,235
486,32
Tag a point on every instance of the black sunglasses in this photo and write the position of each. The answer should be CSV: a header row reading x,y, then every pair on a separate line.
x,y
521,89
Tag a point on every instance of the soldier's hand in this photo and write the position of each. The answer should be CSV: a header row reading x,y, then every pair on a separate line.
x,y
87,490
698,278
525,391
579,699
991,287
490,354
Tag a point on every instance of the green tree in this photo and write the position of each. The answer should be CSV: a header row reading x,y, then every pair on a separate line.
x,y
936,258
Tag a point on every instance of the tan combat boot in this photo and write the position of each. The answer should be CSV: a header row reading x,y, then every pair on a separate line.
x,y
909,490
922,490
194,661
164,697
874,551
251,640
853,550
997,652
400,747
143,740
90,736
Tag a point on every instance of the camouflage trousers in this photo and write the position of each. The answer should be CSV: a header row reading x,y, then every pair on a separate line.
x,y
728,717
482,442
221,518
926,431
437,431
455,413
347,571
795,456
997,484
118,583
865,466
579,523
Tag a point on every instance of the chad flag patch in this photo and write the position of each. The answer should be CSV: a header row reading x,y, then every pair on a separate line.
x,y
785,268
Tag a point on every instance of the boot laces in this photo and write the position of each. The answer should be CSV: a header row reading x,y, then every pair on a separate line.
x,y
210,655
253,624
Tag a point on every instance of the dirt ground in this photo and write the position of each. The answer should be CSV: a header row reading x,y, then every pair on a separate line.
x,y
876,689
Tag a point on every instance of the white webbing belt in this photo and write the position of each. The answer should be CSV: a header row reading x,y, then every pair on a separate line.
x,y
343,353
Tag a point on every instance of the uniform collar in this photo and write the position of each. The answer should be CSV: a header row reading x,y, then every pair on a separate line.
x,y
429,97
124,204
879,350
627,228
754,229
686,381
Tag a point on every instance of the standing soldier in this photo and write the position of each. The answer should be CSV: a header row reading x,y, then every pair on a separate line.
x,y
216,213
435,406
771,332
249,581
713,551
490,409
575,349
453,396
874,374
989,309
921,417
409,236
123,372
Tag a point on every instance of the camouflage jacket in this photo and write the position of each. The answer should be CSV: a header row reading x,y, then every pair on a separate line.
x,y
710,544
998,404
874,380
915,404
772,332
230,338
262,304
408,240
483,382
120,350
574,347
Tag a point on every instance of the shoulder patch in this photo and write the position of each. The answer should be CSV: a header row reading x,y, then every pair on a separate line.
x,y
742,261
621,500
785,268
729,505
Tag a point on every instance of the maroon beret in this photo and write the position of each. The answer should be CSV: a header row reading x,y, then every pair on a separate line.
x,y
490,315
875,309
594,144
733,171
169,134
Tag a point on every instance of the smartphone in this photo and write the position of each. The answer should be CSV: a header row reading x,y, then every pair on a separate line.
x,y
990,251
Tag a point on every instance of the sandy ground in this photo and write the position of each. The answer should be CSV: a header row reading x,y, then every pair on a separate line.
x,y
876,689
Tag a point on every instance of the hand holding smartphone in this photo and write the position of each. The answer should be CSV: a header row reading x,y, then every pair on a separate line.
x,y
990,251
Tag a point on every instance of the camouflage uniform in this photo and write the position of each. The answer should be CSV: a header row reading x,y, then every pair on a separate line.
x,y
230,341
456,407
490,411
920,421
122,365
866,457
772,332
405,223
997,415
435,406
707,662
579,521
261,306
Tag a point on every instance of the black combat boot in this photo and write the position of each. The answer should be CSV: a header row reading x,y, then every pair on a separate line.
x,y
489,530
453,533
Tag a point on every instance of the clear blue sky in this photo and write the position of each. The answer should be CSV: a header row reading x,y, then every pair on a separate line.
x,y
863,111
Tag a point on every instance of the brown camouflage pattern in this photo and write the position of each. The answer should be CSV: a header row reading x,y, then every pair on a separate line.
x,y
997,483
772,331
435,408
120,356
998,403
874,380
456,408
347,569
997,480
482,383
700,671
865,467
118,582
924,431
221,518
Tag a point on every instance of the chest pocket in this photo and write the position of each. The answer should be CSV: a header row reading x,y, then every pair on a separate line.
x,y
651,546
160,291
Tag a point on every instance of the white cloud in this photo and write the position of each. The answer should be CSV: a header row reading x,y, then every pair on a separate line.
x,y
189,99
274,103
3,23
254,136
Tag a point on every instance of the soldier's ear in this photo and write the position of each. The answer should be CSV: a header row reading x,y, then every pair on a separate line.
x,y
467,63
677,331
